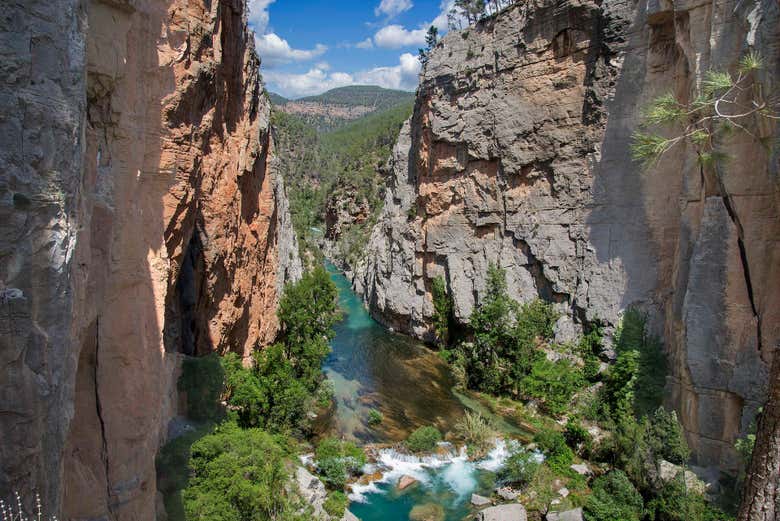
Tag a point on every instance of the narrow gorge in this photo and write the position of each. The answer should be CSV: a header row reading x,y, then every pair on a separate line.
x,y
471,301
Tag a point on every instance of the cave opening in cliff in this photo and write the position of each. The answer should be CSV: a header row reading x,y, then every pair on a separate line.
x,y
188,295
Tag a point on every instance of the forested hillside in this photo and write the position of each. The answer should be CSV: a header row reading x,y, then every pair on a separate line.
x,y
334,177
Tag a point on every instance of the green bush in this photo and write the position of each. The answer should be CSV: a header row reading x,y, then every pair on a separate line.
x,y
442,310
614,498
665,437
476,432
337,461
375,417
423,439
336,503
202,381
553,384
576,435
274,393
537,319
519,469
239,474
674,502
553,445
589,348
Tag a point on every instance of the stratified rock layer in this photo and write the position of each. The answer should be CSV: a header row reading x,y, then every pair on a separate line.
x,y
518,154
141,218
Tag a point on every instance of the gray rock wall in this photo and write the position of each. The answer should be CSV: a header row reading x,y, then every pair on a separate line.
x,y
518,154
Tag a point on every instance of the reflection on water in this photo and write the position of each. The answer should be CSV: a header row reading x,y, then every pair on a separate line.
x,y
373,368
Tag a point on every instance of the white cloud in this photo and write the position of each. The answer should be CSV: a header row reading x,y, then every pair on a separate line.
x,y
392,8
274,50
258,14
318,79
396,36
365,44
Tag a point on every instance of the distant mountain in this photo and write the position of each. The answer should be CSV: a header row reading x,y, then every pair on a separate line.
x,y
336,107
276,99
362,95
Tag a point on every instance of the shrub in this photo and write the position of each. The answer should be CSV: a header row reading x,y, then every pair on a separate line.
x,y
666,438
553,384
337,460
442,310
202,380
553,444
336,503
519,468
375,417
238,474
475,431
589,348
614,498
576,435
537,319
675,503
423,439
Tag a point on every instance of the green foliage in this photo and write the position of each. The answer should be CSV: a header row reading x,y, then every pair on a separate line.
x,y
336,503
588,348
519,469
363,95
553,384
553,445
614,498
239,474
423,439
664,110
665,436
576,435
647,148
506,335
635,384
337,460
375,417
202,381
476,432
674,502
274,392
442,310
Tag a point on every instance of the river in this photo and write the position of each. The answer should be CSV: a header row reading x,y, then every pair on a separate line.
x,y
411,386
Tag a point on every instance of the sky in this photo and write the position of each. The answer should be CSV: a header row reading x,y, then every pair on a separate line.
x,y
308,46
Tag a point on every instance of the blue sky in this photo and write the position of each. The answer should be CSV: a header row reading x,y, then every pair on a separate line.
x,y
310,46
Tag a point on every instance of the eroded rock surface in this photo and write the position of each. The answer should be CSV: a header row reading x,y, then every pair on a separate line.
x,y
518,154
142,219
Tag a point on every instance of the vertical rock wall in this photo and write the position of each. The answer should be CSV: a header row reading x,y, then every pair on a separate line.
x,y
142,218
518,154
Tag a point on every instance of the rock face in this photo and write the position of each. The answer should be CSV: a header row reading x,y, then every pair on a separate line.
x,y
512,512
142,219
518,154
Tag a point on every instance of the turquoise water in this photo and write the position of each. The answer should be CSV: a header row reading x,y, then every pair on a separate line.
x,y
374,368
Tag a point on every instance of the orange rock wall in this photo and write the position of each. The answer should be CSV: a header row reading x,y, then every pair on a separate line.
x,y
178,238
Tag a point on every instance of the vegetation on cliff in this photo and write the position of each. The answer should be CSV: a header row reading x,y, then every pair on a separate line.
x,y
236,468
339,166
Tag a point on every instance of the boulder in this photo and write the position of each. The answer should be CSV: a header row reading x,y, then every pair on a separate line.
x,y
507,494
312,491
568,515
581,469
349,516
406,482
480,501
427,512
667,471
511,512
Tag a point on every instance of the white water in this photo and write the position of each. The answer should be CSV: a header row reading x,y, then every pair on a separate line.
x,y
453,469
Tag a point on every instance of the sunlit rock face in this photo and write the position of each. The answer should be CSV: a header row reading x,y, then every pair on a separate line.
x,y
141,218
518,154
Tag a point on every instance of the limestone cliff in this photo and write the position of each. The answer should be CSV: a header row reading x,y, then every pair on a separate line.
x,y
141,218
518,154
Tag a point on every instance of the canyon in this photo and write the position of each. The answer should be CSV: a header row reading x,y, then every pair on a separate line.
x,y
142,220
518,154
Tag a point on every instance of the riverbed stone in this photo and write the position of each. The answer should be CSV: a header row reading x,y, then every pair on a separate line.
x,y
512,512
406,482
480,501
427,512
568,515
507,493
